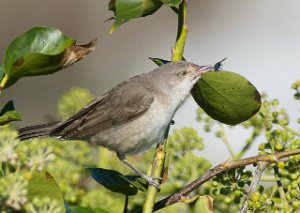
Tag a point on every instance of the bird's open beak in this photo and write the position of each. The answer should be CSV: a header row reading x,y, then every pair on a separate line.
x,y
202,69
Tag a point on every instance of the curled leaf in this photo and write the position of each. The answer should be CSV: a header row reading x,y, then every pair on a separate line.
x,y
8,114
41,51
125,10
227,96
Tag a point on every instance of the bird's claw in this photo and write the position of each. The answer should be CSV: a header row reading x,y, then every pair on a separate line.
x,y
153,181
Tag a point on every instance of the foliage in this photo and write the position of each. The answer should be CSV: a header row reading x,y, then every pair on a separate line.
x,y
45,175
20,160
40,51
8,114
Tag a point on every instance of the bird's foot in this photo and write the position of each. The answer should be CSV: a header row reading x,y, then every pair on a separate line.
x,y
153,181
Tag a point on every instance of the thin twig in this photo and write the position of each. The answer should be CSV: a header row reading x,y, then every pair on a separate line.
x,y
126,204
261,168
295,132
177,51
225,166
225,140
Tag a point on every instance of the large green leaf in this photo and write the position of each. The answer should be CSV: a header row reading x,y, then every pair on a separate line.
x,y
41,51
116,182
8,114
127,10
227,96
43,185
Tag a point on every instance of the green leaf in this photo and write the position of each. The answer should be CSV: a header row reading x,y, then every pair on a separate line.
x,y
116,182
43,185
227,96
172,2
204,204
159,61
41,51
140,183
127,10
8,114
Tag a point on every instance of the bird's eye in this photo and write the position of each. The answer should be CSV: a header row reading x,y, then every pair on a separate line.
x,y
182,73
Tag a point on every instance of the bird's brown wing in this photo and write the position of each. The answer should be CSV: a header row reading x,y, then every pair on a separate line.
x,y
119,106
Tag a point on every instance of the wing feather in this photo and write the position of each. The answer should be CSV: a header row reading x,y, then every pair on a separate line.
x,y
116,107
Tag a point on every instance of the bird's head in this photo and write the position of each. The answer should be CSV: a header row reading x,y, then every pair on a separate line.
x,y
180,75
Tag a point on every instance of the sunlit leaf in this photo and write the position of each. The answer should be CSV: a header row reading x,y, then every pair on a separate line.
x,y
41,51
127,10
116,182
8,114
227,97
43,185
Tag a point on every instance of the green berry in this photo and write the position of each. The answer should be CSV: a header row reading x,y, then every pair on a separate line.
x,y
261,146
278,146
275,102
258,205
227,200
293,176
294,184
214,183
275,114
296,204
294,193
280,165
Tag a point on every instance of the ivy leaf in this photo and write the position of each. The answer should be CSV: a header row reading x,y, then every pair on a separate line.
x,y
8,114
125,10
204,204
116,182
43,185
227,96
41,51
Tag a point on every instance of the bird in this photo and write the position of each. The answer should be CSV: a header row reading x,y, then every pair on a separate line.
x,y
132,116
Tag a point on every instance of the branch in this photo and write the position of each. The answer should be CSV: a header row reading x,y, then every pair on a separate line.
x,y
177,51
286,127
252,188
225,166
225,140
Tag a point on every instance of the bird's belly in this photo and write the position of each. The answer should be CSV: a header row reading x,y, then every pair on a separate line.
x,y
137,135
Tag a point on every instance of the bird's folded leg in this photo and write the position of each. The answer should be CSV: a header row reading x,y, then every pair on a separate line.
x,y
153,181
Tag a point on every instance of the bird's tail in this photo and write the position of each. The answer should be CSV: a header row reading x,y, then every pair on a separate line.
x,y
42,130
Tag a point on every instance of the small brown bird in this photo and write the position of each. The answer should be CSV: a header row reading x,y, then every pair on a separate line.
x,y
132,116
